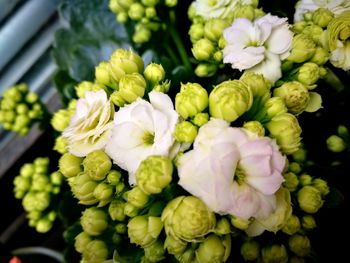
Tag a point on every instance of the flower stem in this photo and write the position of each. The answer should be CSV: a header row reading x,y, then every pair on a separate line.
x,y
180,47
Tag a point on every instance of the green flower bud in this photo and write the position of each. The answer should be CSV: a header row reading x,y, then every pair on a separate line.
x,y
36,201
303,48
315,32
274,253
174,246
61,145
70,165
144,230
60,120
96,251
94,221
229,100
244,11
322,17
213,249
131,87
295,259
34,215
300,245
308,222
254,127
292,225
122,17
103,74
186,257
300,155
151,12
97,164
21,121
125,62
119,188
81,241
131,210
308,73
205,70
295,95
150,2
188,218
154,73
250,250
223,227
214,27
305,179
196,32
275,106
142,34
40,182
116,210
117,99
56,178
342,131
8,104
321,185
22,108
155,252
310,199
171,3
126,3
291,181
121,228
27,170
185,132
299,26
336,144
113,177
200,119
13,94
136,11
104,192
203,49
257,83
43,225
83,188
22,183
286,130
154,174
320,57
87,86
240,223
137,197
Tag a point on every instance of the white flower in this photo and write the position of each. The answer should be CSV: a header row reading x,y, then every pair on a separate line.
x,y
258,46
89,127
340,57
232,170
142,129
217,8
335,6
277,219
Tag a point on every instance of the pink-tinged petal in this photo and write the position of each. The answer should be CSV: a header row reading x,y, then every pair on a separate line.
x,y
278,161
256,166
260,146
245,202
266,185
267,205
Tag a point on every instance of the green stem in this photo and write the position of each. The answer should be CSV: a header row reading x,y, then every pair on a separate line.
x,y
180,47
171,53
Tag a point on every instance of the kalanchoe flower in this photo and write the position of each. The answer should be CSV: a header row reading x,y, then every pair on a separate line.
x,y
335,6
155,251
70,165
185,132
303,48
89,128
81,241
274,253
300,245
83,187
137,197
292,225
232,170
258,46
142,129
94,221
310,199
97,165
96,251
187,218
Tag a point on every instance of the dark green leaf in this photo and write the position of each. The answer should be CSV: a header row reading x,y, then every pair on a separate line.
x,y
334,198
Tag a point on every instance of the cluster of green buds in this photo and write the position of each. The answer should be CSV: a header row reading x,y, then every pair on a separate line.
x,y
20,109
92,179
340,141
144,14
92,249
38,189
124,74
207,36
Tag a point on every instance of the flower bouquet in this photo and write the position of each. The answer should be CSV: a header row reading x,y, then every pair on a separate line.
x,y
185,145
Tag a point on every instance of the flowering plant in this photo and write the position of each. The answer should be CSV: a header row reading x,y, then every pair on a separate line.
x,y
175,164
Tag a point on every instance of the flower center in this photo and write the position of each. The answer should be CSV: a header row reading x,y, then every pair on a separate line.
x,y
148,138
239,175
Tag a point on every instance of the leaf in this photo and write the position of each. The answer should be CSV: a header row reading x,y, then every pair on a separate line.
x,y
129,254
65,85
